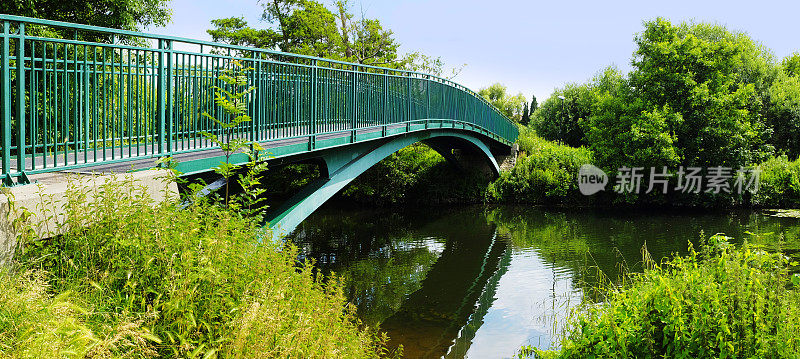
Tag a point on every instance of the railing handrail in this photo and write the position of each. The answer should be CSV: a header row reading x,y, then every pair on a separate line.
x,y
106,30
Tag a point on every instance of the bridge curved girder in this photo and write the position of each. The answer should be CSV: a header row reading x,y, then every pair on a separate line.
x,y
347,163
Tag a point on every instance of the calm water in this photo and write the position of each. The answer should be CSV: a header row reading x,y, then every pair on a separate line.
x,y
473,282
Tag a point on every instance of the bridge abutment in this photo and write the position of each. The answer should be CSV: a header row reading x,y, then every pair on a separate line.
x,y
39,210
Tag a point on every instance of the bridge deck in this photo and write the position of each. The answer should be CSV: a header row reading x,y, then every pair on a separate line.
x,y
126,158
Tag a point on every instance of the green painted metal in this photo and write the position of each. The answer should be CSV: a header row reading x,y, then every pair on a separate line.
x,y
5,97
91,96
345,164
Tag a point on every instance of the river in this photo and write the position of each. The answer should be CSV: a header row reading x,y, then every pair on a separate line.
x,y
478,282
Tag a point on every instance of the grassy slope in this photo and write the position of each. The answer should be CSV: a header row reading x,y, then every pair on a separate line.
x,y
147,280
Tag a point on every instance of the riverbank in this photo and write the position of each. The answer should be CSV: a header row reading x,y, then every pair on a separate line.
x,y
547,174
153,280
717,302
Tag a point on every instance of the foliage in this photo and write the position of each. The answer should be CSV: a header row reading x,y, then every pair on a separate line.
x,y
133,15
779,183
390,180
526,118
561,117
721,302
232,102
697,96
624,131
791,64
235,31
783,112
416,175
711,78
510,106
155,279
545,174
419,62
308,27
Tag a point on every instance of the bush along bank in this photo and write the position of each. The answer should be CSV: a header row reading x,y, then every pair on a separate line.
x,y
152,280
546,173
720,302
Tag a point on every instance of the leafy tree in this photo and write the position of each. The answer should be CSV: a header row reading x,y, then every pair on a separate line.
x,y
698,96
791,64
303,26
365,41
712,78
534,104
783,114
311,30
234,31
525,115
560,118
232,102
510,106
417,61
308,27
133,15
624,130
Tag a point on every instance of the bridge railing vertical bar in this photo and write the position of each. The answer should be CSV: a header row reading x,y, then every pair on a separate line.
x,y
5,97
408,99
353,101
160,99
21,105
254,109
314,118
77,126
85,101
171,86
388,100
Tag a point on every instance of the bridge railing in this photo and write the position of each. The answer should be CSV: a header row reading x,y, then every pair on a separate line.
x,y
75,95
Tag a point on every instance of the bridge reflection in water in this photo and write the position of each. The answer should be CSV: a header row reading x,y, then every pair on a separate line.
x,y
429,295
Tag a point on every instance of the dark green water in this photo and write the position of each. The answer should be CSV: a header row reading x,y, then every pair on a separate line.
x,y
479,283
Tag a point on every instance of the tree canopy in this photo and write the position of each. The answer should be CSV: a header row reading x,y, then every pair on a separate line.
x,y
510,106
133,15
698,95
307,27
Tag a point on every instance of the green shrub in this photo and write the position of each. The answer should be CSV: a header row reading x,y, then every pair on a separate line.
x,y
722,302
200,282
545,174
780,184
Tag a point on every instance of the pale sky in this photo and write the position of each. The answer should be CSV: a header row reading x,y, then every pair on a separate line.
x,y
530,46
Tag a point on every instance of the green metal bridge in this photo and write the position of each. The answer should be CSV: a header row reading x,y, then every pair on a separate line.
x,y
78,98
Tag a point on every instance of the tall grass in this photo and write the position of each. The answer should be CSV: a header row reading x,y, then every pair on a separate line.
x,y
720,302
145,279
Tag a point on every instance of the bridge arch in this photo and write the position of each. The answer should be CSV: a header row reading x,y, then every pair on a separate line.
x,y
347,163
